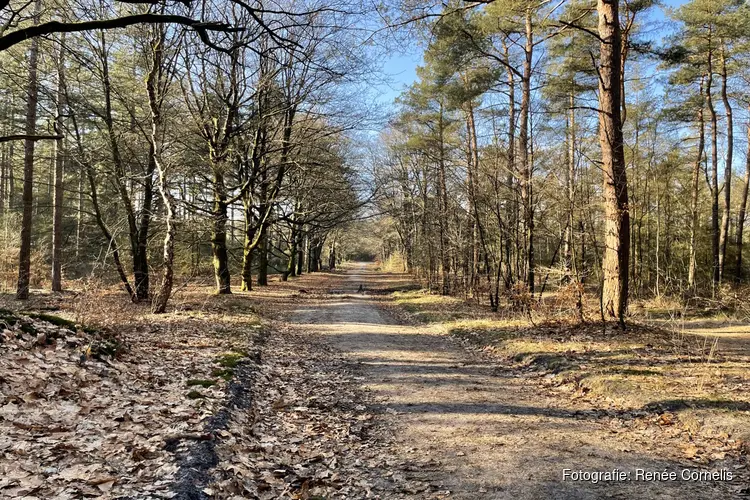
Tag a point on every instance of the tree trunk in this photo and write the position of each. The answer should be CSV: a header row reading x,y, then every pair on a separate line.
x,y
32,96
300,253
248,248
154,88
292,260
473,169
724,236
165,290
3,178
715,247
743,208
443,208
617,238
263,257
315,245
59,154
79,212
694,193
140,257
523,150
122,176
512,270
332,256
219,234
568,263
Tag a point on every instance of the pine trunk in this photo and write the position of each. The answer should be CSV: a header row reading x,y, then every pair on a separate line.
x,y
59,153
715,239
724,236
743,209
617,238
32,97
694,194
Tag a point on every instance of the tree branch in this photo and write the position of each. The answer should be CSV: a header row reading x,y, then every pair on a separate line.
x,y
25,137
202,28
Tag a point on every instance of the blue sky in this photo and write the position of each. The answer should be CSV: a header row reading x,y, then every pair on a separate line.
x,y
400,68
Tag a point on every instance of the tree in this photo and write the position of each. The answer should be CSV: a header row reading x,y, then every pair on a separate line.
x,y
32,96
617,216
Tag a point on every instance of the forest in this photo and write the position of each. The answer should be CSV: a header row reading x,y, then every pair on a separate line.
x,y
348,249
525,157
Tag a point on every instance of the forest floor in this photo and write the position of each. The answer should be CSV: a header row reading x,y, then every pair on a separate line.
x,y
315,389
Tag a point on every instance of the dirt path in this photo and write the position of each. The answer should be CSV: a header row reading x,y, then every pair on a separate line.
x,y
490,433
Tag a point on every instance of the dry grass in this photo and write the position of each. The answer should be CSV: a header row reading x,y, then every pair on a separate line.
x,y
696,370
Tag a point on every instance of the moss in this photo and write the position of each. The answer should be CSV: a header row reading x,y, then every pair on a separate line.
x,y
195,395
26,328
225,373
8,317
201,382
55,320
231,359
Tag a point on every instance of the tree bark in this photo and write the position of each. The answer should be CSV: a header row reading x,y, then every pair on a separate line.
x,y
617,226
523,150
32,97
568,263
59,153
137,235
510,257
263,258
292,260
155,88
714,185
743,209
472,169
79,212
443,207
300,253
694,192
724,236
219,234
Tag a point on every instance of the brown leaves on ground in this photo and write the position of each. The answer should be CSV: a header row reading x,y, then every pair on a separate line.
x,y
310,433
74,426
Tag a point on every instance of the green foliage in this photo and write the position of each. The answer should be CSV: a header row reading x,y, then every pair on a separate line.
x,y
225,373
195,395
231,359
200,382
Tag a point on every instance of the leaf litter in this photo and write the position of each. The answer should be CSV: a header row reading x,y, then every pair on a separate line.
x,y
312,433
87,414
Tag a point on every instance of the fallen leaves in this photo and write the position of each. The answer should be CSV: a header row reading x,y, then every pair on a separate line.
x,y
311,433
77,422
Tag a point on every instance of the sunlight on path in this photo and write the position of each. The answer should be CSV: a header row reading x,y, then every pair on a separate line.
x,y
493,435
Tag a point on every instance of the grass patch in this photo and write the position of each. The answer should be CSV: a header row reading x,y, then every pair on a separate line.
x,y
484,331
652,367
225,373
205,383
231,359
195,395
429,308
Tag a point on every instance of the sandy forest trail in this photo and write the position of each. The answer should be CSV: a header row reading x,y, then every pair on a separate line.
x,y
489,433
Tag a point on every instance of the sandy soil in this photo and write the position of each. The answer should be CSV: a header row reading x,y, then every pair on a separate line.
x,y
490,434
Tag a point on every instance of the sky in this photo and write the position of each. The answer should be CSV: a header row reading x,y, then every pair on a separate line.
x,y
400,68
